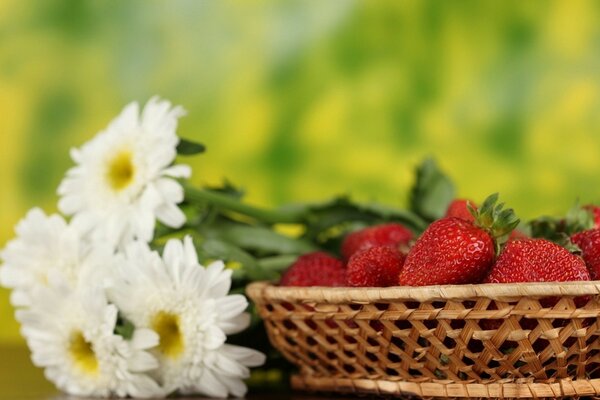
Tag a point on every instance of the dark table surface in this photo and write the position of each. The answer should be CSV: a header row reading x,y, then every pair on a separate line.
x,y
20,380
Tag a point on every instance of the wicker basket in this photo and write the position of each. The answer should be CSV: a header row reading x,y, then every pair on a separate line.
x,y
491,340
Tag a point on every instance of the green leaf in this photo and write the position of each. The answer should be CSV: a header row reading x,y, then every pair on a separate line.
x,y
338,211
432,191
189,148
222,250
327,223
578,219
497,222
264,239
228,203
277,263
490,202
408,218
559,229
344,210
295,209
124,328
228,188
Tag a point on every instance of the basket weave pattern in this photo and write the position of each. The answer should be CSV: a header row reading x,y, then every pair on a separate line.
x,y
495,340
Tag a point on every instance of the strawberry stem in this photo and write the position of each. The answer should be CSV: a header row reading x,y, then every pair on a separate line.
x,y
494,219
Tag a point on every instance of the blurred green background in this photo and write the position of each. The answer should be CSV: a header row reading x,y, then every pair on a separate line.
x,y
302,100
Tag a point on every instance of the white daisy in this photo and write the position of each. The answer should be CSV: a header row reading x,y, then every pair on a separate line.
x,y
190,309
47,249
71,335
123,179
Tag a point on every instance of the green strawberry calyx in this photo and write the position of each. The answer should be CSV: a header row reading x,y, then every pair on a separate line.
x,y
577,219
560,229
495,220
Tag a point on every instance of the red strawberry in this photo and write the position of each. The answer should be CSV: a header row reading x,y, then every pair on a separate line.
x,y
315,269
455,251
596,213
458,208
391,234
589,243
377,266
450,251
537,260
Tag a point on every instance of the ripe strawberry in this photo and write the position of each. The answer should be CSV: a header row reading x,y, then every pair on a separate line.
x,y
537,260
595,210
376,266
589,243
391,234
450,251
315,269
458,208
455,251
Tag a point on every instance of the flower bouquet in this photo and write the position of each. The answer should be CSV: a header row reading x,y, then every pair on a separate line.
x,y
102,310
137,288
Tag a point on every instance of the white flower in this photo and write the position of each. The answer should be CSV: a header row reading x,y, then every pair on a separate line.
x,y
190,309
47,250
71,335
123,180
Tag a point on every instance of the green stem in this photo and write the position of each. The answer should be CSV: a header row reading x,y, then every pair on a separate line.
x,y
229,203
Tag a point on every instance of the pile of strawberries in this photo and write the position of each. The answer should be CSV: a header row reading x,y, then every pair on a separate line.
x,y
468,245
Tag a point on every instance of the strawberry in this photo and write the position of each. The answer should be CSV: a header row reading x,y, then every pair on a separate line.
x,y
595,210
589,243
537,260
391,234
455,251
376,266
458,208
450,251
315,269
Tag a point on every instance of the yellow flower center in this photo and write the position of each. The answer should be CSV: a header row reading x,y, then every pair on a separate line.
x,y
167,326
82,353
121,170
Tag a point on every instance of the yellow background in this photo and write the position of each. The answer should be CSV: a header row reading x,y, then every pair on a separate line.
x,y
302,100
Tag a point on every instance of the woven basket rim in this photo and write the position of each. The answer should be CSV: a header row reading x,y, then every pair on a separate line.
x,y
364,295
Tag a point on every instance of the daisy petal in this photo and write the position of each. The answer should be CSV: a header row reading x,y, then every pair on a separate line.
x,y
70,333
170,215
246,356
211,386
236,386
121,178
144,339
214,338
236,324
188,307
142,362
170,190
178,171
231,306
